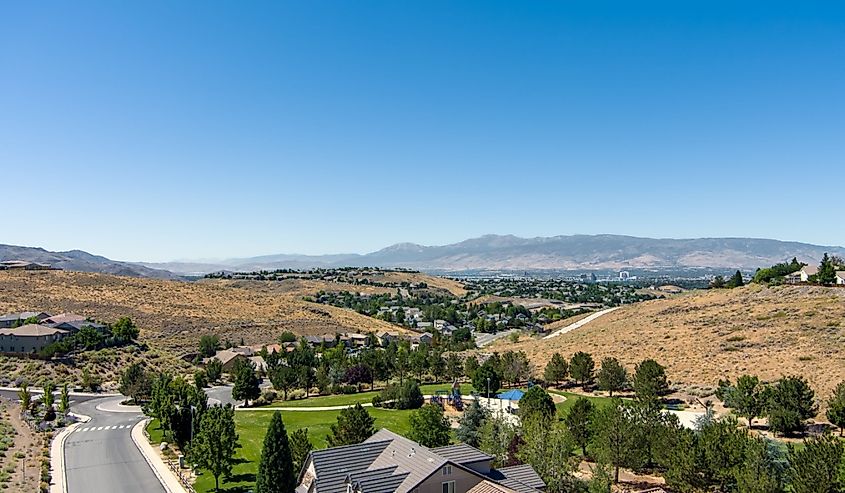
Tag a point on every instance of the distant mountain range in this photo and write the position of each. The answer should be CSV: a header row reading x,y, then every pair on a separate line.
x,y
577,252
81,261
490,252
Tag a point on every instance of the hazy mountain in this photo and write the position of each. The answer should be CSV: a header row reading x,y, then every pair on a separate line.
x,y
81,261
578,252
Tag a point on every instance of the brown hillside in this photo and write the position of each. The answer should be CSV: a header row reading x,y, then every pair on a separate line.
x,y
703,336
173,314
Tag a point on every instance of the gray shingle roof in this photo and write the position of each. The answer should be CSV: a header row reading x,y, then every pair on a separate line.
x,y
461,453
32,330
525,474
333,465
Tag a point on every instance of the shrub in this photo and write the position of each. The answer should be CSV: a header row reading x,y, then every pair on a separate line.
x,y
295,395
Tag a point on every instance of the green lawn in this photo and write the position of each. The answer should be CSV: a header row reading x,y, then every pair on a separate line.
x,y
155,431
252,425
363,397
563,407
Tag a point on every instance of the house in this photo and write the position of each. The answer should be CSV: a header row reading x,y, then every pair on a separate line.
x,y
387,462
385,337
802,275
64,317
29,338
12,319
24,265
228,358
840,277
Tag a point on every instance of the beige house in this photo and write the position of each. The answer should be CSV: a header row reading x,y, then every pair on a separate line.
x,y
389,462
29,338
840,277
802,275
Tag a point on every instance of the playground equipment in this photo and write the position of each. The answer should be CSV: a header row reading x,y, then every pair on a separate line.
x,y
439,397
454,398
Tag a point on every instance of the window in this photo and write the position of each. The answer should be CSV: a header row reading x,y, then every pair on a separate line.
x,y
449,487
447,470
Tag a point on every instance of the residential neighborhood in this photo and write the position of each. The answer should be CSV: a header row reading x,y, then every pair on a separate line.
x,y
30,332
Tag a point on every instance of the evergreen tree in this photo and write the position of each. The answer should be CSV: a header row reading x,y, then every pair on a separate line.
x,y
556,370
816,467
300,447
536,402
486,378
650,380
25,396
429,427
246,385
615,438
214,445
735,281
497,435
836,408
471,423
275,469
354,425
581,367
579,422
612,376
758,472
548,449
827,271
64,400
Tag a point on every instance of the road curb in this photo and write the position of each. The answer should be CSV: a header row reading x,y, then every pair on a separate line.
x,y
57,455
165,476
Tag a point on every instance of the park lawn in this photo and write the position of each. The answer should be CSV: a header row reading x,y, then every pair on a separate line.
x,y
155,431
252,426
563,407
362,397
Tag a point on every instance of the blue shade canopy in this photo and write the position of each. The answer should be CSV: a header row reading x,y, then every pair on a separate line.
x,y
511,395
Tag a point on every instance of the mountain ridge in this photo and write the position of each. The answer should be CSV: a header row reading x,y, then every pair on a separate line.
x,y
488,252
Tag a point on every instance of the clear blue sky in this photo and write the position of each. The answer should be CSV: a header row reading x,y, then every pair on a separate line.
x,y
164,130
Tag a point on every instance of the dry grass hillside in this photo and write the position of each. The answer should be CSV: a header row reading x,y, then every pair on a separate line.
x,y
703,336
173,314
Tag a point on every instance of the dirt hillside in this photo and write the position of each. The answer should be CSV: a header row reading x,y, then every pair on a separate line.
x,y
706,335
173,314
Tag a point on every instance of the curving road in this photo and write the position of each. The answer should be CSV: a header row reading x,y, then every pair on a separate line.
x,y
100,456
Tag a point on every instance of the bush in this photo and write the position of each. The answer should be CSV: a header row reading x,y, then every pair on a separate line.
x,y
377,400
295,395
402,396
344,389
269,395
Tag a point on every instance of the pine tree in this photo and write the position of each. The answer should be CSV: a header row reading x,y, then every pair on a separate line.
x,y
354,425
536,401
579,423
246,385
736,280
650,380
827,271
471,423
300,447
612,376
557,369
836,408
581,367
275,470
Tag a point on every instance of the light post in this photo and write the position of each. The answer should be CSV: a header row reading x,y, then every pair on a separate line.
x,y
489,404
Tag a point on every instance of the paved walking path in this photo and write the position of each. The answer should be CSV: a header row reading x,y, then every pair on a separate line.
x,y
580,323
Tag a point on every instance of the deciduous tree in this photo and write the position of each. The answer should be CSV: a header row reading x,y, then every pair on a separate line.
x,y
429,427
215,443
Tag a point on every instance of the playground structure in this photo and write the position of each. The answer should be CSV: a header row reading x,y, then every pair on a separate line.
x,y
451,398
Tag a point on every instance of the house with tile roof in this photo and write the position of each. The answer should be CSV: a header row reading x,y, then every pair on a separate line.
x,y
29,338
387,462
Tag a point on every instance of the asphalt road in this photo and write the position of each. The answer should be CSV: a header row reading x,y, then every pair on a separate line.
x,y
100,456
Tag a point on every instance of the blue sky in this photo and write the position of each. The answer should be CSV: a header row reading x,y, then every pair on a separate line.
x,y
166,130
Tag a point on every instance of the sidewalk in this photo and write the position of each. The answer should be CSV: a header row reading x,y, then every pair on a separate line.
x,y
165,475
